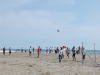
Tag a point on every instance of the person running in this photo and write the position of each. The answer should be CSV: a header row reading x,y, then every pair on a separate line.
x,y
38,51
4,51
30,51
9,50
73,53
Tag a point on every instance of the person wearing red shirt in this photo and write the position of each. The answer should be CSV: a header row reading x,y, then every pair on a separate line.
x,y
38,51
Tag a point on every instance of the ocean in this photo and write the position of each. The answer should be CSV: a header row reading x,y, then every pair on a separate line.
x,y
44,51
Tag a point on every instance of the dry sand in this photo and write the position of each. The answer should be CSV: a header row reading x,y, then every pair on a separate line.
x,y
47,64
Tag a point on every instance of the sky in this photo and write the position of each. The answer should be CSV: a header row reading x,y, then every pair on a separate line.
x,y
25,23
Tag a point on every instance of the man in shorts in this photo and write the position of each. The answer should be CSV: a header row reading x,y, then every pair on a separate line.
x,y
83,53
60,56
73,53
68,51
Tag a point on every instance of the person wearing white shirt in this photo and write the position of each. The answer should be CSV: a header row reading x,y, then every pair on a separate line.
x,y
46,50
30,51
50,50
63,51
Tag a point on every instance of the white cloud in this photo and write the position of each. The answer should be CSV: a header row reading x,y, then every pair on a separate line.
x,y
46,23
34,24
38,25
9,4
60,2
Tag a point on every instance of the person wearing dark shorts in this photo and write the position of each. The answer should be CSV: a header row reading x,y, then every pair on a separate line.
x,y
73,53
4,51
68,52
83,53
30,51
9,50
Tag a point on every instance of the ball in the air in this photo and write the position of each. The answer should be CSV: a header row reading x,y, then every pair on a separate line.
x,y
57,30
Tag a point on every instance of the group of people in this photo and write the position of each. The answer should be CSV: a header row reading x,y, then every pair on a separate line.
x,y
51,50
30,51
64,50
38,51
4,49
22,50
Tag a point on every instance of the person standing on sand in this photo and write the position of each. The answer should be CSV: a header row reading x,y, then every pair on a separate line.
x,y
83,53
50,50
46,50
79,50
30,51
68,51
55,49
9,50
4,51
33,49
60,54
73,53
25,49
38,51
22,49
63,51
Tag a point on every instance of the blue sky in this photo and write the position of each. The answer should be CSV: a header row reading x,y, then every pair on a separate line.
x,y
25,23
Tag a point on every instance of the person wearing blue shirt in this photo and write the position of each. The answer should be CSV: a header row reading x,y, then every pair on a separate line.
x,y
9,50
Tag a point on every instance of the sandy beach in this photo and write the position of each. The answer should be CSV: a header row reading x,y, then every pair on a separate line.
x,y
47,64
